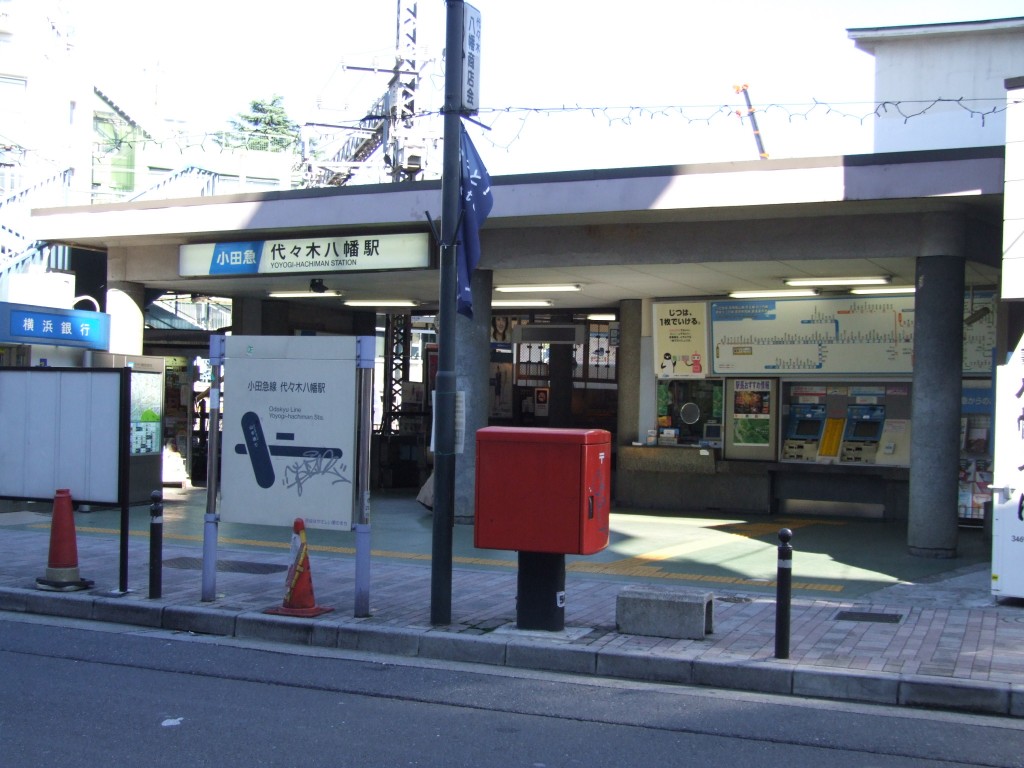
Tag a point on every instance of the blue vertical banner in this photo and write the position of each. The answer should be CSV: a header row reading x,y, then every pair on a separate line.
x,y
476,202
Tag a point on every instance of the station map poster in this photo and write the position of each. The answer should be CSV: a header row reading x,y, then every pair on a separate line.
x,y
862,335
680,340
289,430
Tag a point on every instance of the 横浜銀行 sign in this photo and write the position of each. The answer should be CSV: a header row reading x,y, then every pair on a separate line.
x,y
26,324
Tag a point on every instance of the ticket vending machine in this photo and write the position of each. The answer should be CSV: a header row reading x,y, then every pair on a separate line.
x,y
803,432
862,433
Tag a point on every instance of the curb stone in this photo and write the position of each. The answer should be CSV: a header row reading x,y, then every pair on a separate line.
x,y
765,676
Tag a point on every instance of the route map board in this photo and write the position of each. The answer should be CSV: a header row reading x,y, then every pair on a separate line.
x,y
855,335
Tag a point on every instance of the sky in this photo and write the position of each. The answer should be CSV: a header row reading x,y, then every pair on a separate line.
x,y
565,84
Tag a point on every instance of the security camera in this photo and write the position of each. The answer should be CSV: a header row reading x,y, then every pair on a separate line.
x,y
316,285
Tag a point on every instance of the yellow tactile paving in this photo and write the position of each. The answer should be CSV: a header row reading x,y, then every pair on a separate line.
x,y
637,565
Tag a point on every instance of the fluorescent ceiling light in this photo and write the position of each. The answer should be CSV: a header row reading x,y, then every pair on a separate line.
x,y
885,289
380,303
607,318
810,282
522,303
538,288
304,294
778,294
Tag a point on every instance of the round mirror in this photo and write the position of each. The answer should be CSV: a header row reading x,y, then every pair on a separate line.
x,y
689,413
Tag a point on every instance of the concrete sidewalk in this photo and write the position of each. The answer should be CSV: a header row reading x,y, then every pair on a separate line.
x,y
935,640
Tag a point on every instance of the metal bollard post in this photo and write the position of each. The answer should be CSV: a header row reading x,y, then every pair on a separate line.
x,y
156,544
783,593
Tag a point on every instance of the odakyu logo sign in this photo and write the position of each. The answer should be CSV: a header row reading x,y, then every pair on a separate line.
x,y
236,258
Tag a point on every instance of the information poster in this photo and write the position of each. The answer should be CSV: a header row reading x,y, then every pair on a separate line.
x,y
146,412
680,340
289,430
979,332
751,412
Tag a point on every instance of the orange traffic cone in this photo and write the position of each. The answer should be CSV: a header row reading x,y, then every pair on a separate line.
x,y
62,564
298,594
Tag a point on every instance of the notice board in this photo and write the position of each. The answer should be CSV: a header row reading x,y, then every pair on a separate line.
x,y
61,429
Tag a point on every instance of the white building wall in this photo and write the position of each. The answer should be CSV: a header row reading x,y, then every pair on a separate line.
x,y
45,104
922,72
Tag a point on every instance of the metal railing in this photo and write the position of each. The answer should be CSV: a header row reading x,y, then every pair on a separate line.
x,y
187,313
192,180
16,209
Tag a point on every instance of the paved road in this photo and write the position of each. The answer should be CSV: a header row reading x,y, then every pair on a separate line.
x,y
88,694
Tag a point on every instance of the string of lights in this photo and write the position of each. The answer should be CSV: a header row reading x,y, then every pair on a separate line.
x,y
906,110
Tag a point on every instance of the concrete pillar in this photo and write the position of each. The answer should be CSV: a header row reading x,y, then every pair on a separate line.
x,y
561,362
629,371
247,317
472,369
126,306
935,407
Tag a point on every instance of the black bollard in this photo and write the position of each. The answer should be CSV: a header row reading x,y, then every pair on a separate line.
x,y
783,594
156,544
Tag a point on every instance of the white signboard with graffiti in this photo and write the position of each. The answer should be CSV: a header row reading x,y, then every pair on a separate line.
x,y
1008,479
289,432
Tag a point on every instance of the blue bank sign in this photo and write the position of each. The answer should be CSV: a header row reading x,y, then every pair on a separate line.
x,y
25,324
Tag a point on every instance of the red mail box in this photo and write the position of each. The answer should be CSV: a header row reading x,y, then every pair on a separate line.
x,y
543,490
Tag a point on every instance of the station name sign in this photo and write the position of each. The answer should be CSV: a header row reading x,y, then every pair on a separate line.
x,y
352,253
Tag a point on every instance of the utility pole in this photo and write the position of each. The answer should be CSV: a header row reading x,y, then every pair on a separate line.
x,y
444,412
388,120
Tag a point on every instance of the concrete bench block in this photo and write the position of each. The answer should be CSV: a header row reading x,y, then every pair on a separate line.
x,y
665,612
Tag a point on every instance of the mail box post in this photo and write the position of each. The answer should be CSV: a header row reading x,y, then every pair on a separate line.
x,y
540,595
544,493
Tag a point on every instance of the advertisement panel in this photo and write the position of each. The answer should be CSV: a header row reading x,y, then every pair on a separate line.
x,y
751,412
680,340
